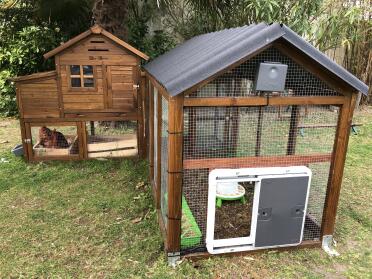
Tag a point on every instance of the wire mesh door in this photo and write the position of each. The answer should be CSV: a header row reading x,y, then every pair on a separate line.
x,y
109,139
53,140
247,137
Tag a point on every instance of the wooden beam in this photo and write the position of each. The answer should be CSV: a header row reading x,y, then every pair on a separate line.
x,y
81,130
263,101
59,85
337,165
140,121
67,44
159,110
175,168
249,162
23,137
161,89
146,108
259,132
225,101
28,135
293,130
204,255
73,117
151,130
306,100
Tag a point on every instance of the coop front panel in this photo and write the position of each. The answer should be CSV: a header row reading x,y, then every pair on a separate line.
x,y
276,216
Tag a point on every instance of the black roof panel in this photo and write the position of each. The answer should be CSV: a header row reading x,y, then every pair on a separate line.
x,y
205,55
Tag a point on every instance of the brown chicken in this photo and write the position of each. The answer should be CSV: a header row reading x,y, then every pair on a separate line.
x,y
52,139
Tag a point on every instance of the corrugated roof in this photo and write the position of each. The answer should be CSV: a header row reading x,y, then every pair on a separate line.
x,y
35,76
203,56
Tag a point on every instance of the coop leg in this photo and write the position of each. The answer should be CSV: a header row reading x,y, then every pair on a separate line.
x,y
92,131
173,258
327,245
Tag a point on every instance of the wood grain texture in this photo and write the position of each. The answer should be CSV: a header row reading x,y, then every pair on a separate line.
x,y
337,165
159,110
175,168
151,130
250,162
263,101
141,119
95,33
204,255
293,130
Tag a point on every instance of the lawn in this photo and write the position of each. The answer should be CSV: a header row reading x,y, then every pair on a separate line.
x,y
96,219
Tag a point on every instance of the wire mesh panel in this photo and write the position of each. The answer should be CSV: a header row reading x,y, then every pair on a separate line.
x,y
317,195
108,139
267,136
55,140
164,159
239,82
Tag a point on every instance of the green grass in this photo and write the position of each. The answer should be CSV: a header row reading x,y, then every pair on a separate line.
x,y
80,219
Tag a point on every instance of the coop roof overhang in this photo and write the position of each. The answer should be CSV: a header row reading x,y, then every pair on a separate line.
x,y
96,29
43,75
204,56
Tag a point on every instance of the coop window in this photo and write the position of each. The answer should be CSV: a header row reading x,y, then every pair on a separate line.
x,y
82,76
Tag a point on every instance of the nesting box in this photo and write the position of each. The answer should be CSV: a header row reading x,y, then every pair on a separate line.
x,y
90,106
210,123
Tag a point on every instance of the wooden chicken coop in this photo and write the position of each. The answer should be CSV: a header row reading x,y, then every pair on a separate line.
x,y
90,106
249,130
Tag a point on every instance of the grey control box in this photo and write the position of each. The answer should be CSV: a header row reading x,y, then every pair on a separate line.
x,y
271,77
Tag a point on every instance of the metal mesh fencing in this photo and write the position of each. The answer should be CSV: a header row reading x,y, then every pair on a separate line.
x,y
234,137
239,82
55,140
164,159
110,139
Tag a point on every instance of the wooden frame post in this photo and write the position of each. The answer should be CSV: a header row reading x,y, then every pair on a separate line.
x,y
159,111
337,164
140,126
175,167
23,137
259,132
292,136
146,109
151,130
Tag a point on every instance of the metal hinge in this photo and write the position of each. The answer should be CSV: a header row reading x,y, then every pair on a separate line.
x,y
27,140
328,244
174,259
135,86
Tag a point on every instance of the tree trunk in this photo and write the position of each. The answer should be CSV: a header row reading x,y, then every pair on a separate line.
x,y
111,15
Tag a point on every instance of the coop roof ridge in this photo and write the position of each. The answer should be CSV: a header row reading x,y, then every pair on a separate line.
x,y
95,29
205,55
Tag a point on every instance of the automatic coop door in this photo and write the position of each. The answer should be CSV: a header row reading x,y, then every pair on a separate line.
x,y
270,213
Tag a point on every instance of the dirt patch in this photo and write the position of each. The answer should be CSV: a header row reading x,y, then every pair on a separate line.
x,y
233,218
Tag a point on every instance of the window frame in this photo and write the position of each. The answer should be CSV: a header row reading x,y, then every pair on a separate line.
x,y
81,76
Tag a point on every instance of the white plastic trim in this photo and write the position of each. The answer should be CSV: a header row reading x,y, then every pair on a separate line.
x,y
246,175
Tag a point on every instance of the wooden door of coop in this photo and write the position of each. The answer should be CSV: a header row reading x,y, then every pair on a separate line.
x,y
122,87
